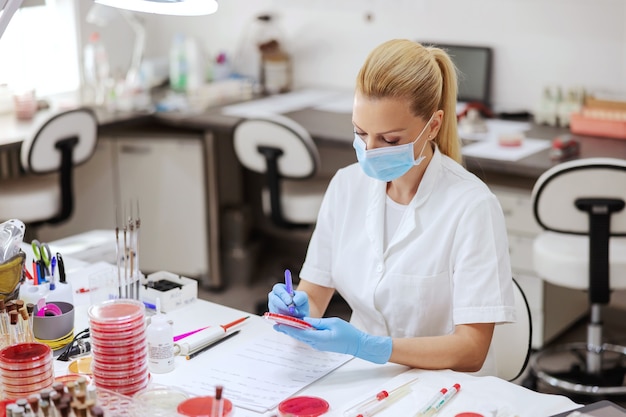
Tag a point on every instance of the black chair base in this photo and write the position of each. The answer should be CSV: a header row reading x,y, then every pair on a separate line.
x,y
564,367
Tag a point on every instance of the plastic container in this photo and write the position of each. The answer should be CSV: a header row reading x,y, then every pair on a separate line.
x,y
262,55
96,69
275,62
186,72
160,338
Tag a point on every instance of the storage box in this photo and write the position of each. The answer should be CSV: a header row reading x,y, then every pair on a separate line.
x,y
174,291
606,123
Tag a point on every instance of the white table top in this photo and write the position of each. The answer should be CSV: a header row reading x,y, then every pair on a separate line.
x,y
352,382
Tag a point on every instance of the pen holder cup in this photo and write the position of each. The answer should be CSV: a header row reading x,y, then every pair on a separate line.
x,y
203,407
11,276
56,325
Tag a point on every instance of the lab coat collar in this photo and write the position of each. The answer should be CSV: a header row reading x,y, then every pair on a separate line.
x,y
426,187
375,217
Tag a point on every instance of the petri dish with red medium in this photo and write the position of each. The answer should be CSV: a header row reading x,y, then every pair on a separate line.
x,y
303,407
118,346
25,356
287,320
117,312
203,407
25,369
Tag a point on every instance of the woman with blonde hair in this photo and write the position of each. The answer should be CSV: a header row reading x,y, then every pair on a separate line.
x,y
413,242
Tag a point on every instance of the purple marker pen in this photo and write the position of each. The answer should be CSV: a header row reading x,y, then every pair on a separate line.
x,y
289,287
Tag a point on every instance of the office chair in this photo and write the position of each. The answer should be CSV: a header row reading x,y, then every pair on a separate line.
x,y
284,152
44,194
512,341
580,205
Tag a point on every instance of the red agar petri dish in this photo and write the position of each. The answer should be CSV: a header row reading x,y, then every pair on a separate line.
x,y
202,407
287,320
131,340
120,311
97,365
117,332
104,357
303,407
21,380
25,353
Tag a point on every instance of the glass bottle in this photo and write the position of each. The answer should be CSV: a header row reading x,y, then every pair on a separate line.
x,y
275,62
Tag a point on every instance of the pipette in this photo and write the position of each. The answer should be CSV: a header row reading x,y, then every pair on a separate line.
x,y
204,337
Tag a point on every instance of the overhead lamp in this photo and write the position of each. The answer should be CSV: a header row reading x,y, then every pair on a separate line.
x,y
7,10
168,7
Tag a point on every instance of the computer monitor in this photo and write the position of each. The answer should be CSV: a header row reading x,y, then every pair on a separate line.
x,y
474,65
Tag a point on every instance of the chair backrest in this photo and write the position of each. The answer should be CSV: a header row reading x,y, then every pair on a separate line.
x,y
64,140
298,158
41,152
556,191
512,341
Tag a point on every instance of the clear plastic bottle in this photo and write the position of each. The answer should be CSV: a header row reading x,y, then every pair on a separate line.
x,y
178,64
186,69
96,69
160,340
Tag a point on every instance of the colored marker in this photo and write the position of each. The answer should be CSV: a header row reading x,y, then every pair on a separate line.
x,y
289,287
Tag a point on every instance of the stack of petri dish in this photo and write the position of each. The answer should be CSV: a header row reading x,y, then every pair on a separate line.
x,y
118,345
25,369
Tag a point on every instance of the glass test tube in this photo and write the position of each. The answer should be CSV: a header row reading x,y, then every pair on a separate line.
x,y
380,401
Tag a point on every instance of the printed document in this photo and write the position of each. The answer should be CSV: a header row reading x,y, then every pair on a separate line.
x,y
260,374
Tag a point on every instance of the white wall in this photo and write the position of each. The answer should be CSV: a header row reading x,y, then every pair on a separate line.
x,y
536,42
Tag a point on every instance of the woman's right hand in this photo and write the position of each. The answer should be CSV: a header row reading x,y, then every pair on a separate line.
x,y
279,301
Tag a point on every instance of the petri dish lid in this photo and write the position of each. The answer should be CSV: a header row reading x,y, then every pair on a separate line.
x,y
26,353
158,401
116,311
303,407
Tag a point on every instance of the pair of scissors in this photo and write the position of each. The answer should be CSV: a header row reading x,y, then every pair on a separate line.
x,y
42,253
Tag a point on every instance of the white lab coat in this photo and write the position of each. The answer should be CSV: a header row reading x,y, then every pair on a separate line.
x,y
446,264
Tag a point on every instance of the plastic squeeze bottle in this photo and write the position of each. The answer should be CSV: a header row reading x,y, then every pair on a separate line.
x,y
160,338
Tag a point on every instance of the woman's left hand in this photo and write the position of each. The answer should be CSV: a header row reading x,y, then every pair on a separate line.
x,y
337,335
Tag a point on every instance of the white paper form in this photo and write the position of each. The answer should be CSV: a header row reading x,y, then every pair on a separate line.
x,y
260,374
493,150
282,103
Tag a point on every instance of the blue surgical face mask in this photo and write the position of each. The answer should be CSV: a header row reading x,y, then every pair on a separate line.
x,y
391,162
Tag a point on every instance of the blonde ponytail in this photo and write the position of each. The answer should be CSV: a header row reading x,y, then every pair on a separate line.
x,y
426,76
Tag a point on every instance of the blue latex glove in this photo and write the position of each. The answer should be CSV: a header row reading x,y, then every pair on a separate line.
x,y
278,301
337,335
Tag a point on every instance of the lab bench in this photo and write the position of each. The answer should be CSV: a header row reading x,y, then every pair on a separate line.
x,y
183,169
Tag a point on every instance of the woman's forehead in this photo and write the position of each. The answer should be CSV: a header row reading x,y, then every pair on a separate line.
x,y
378,115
